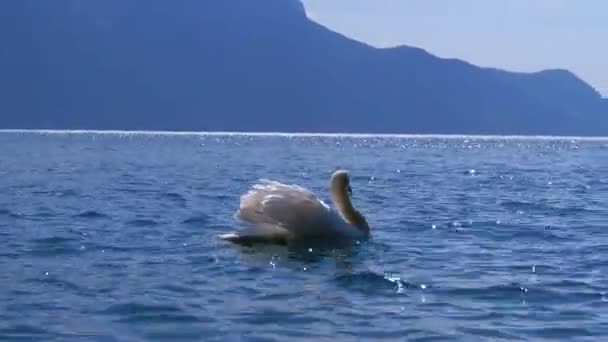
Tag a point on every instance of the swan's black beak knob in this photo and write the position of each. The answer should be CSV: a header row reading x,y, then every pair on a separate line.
x,y
350,190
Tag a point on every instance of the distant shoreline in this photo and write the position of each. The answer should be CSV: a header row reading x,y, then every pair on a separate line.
x,y
307,134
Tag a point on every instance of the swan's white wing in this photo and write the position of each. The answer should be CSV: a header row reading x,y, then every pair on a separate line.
x,y
290,207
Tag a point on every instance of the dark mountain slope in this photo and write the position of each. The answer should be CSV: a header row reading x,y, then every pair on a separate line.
x,y
255,66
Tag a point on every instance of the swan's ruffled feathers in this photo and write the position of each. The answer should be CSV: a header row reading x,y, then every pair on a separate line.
x,y
291,207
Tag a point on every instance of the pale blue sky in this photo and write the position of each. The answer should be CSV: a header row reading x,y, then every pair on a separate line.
x,y
520,35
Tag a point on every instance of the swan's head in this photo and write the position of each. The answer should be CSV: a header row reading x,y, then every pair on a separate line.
x,y
340,183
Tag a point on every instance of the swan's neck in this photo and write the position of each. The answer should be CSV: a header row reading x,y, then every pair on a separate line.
x,y
348,212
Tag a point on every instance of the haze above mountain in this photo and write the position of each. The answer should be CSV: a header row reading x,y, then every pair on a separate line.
x,y
242,65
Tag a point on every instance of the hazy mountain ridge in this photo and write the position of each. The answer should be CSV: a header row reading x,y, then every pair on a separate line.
x,y
257,66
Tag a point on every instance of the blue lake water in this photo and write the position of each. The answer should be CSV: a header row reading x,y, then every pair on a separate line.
x,y
112,237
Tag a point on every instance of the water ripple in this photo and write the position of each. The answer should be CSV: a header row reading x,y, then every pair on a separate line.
x,y
24,332
91,214
198,219
148,313
142,223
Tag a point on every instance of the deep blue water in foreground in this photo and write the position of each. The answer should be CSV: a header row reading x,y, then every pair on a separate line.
x,y
113,238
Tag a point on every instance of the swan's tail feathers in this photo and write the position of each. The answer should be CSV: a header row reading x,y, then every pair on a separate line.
x,y
229,236
258,234
253,239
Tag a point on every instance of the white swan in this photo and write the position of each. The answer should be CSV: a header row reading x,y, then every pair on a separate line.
x,y
279,213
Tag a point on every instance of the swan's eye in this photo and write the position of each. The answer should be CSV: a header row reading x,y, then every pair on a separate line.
x,y
350,190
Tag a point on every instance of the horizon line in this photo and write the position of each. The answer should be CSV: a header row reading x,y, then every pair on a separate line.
x,y
308,134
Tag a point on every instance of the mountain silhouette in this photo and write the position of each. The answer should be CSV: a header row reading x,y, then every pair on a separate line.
x,y
244,65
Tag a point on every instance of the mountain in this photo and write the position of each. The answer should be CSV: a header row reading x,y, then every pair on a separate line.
x,y
244,65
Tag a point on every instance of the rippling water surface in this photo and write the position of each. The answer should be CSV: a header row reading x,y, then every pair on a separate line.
x,y
112,237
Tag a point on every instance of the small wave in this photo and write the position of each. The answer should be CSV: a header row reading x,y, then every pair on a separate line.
x,y
546,233
489,292
41,215
54,240
202,259
198,219
489,333
557,332
131,308
53,246
134,312
56,193
175,197
142,223
544,208
573,210
574,291
370,282
24,332
180,289
540,293
524,205
10,255
67,193
42,192
53,251
50,279
91,214
272,315
8,213
135,190
115,248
